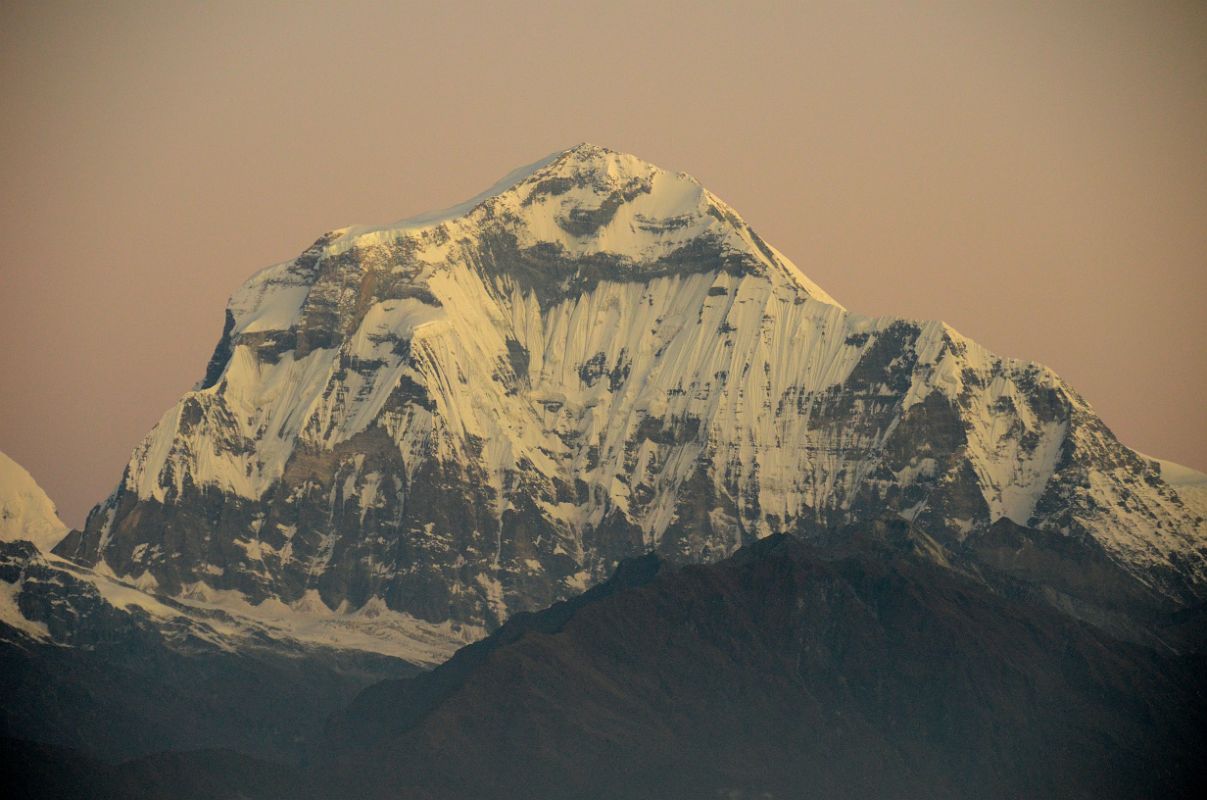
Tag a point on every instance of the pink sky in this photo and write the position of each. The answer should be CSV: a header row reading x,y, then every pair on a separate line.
x,y
1037,177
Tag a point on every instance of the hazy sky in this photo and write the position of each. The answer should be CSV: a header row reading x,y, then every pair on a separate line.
x,y
1034,174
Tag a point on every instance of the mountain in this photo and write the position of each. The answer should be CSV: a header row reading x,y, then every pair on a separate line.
x,y
482,411
881,667
25,510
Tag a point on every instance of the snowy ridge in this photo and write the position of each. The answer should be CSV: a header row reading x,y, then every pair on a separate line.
x,y
224,620
478,411
25,510
308,621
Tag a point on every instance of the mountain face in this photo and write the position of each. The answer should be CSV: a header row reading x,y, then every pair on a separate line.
x,y
879,667
483,410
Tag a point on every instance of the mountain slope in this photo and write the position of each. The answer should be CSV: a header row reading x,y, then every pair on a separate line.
x,y
483,410
872,669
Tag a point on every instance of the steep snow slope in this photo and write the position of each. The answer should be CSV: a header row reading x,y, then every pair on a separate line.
x,y
482,410
25,510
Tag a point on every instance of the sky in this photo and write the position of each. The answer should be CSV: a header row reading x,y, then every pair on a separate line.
x,y
1034,174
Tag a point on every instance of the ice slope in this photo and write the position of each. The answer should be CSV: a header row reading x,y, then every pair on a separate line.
x,y
25,510
481,410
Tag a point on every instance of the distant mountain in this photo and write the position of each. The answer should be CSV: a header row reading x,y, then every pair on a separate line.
x,y
884,666
482,411
25,510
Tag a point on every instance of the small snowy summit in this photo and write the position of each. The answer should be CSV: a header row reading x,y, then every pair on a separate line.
x,y
482,410
25,510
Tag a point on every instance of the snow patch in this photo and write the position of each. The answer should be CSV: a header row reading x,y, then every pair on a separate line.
x,y
10,613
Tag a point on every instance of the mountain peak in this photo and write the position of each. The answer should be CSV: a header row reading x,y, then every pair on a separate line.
x,y
592,202
603,163
585,166
590,149
25,510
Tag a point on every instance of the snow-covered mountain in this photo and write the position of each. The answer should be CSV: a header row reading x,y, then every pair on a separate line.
x,y
25,510
482,410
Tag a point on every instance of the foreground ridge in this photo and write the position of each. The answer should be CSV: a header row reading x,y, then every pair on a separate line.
x,y
873,666
878,663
